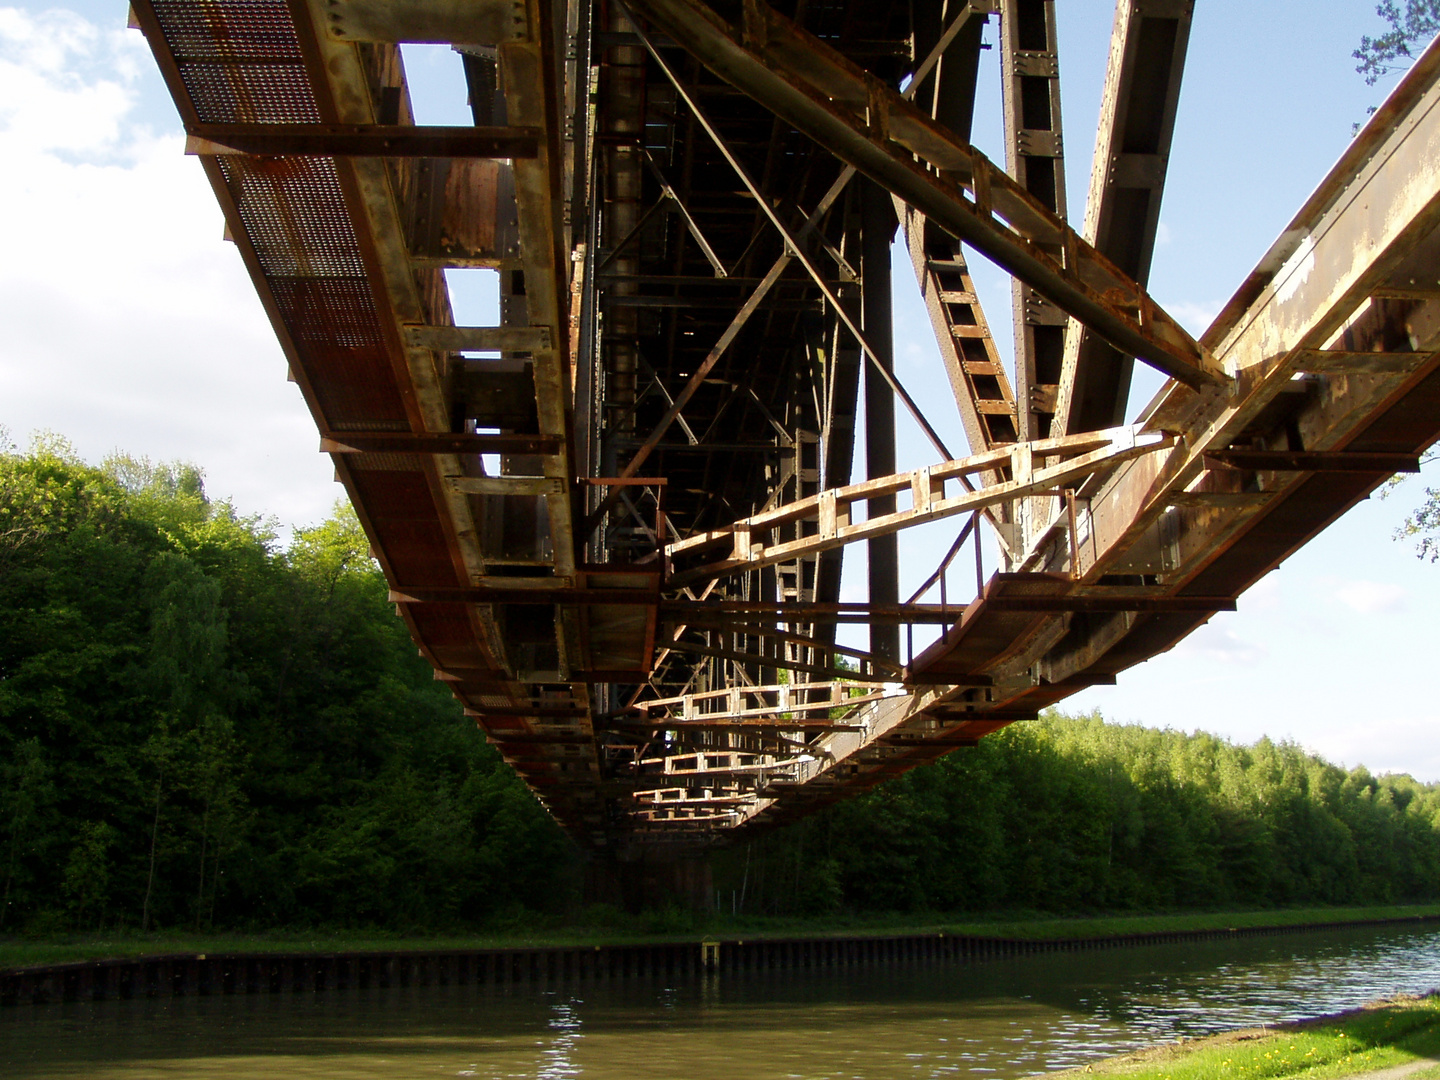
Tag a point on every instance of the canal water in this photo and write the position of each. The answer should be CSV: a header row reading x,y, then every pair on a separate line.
x,y
992,1021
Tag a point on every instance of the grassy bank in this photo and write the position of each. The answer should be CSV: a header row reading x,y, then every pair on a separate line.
x,y
1402,1035
602,926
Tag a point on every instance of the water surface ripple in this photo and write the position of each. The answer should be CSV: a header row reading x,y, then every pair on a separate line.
x,y
992,1021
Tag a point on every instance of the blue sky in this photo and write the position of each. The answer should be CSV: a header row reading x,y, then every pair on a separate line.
x,y
126,322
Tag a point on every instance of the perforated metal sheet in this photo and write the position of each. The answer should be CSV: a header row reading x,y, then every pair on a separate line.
x,y
245,93
294,213
239,30
240,60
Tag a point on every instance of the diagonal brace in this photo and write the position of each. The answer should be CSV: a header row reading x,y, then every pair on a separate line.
x,y
872,127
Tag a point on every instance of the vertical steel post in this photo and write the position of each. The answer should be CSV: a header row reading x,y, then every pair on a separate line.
x,y
1034,155
878,225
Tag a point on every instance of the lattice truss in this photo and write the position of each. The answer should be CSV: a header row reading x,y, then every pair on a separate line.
x,y
616,521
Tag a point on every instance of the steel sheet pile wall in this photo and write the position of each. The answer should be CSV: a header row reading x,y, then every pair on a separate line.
x,y
261,973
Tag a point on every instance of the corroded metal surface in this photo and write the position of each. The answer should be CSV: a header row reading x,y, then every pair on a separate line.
x,y
615,523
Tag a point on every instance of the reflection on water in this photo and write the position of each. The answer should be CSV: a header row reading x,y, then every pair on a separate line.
x,y
560,1063
996,1020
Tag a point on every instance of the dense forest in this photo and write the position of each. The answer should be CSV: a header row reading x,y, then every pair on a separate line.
x,y
203,728
200,727
1077,815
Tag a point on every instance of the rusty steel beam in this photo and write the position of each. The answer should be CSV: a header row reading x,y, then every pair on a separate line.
x,y
458,442
478,338
882,561
759,726
1078,458
813,611
731,702
361,140
1122,216
1091,602
539,593
1035,157
811,86
1377,206
1321,376
1312,461
967,348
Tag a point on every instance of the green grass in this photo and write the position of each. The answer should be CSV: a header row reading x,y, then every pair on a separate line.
x,y
1384,1035
605,926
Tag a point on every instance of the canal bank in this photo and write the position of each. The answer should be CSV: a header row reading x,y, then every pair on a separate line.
x,y
310,970
1395,1039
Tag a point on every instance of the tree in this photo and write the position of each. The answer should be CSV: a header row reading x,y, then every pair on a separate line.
x,y
87,874
1423,526
26,790
1412,26
186,671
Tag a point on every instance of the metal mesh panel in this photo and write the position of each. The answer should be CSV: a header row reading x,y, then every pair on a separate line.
x,y
240,62
245,93
246,30
294,214
334,312
239,59
333,324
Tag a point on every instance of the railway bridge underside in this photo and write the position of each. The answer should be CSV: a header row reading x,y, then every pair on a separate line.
x,y
616,520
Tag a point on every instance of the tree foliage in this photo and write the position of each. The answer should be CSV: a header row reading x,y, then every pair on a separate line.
x,y
1069,815
1423,526
1411,26
201,728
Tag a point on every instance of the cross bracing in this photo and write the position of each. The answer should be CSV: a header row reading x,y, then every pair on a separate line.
x,y
620,535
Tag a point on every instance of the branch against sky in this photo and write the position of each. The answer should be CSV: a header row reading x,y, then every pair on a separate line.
x,y
1416,24
1423,524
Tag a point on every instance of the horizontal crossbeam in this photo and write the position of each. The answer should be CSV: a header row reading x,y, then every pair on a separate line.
x,y
361,140
735,703
478,338
1155,604
405,442
1082,456
803,611
763,660
759,726
1343,461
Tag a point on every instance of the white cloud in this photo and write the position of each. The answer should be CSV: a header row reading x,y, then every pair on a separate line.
x,y
1383,744
125,321
1265,595
1218,645
1371,597
1163,235
65,84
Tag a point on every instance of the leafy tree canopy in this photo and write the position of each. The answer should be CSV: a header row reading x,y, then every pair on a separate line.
x,y
1411,28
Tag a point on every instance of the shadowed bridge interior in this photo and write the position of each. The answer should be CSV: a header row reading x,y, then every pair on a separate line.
x,y
616,522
